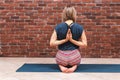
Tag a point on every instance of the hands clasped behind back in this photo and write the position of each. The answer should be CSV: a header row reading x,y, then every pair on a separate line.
x,y
69,35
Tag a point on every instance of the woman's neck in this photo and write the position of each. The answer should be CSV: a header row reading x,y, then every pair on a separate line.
x,y
69,22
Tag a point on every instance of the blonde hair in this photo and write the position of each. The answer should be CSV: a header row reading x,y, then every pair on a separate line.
x,y
69,13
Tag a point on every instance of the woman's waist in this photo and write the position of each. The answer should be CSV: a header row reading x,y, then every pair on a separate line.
x,y
68,51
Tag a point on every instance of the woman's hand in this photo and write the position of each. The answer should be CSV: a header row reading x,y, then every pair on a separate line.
x,y
83,41
55,42
69,35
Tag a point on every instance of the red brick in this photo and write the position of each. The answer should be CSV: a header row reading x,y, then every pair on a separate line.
x,y
27,25
106,1
77,1
87,1
57,0
116,1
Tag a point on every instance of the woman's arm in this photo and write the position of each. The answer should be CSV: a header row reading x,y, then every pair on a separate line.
x,y
83,41
54,41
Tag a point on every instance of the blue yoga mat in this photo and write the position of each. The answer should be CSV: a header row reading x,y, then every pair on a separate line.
x,y
114,68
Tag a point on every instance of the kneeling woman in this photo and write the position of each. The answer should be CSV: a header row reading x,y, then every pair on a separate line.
x,y
68,36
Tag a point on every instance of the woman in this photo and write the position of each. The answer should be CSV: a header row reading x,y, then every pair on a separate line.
x,y
68,36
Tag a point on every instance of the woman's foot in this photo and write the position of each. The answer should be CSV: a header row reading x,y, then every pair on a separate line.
x,y
72,69
63,69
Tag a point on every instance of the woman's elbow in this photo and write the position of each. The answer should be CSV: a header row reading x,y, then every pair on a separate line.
x,y
52,45
85,45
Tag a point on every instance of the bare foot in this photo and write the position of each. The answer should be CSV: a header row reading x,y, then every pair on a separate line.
x,y
72,69
63,69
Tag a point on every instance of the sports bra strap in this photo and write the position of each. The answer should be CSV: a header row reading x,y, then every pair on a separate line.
x,y
70,25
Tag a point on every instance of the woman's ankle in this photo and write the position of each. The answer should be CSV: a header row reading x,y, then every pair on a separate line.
x,y
63,68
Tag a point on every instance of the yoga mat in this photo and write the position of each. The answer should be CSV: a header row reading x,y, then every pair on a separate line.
x,y
114,68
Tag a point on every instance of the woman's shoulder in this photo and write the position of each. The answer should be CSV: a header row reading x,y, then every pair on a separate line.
x,y
60,24
78,25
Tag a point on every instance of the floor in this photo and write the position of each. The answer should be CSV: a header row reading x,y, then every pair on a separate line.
x,y
8,67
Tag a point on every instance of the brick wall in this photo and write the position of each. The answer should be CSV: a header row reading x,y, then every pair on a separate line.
x,y
26,26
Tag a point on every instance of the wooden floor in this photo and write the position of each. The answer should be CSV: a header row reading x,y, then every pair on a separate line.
x,y
8,67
